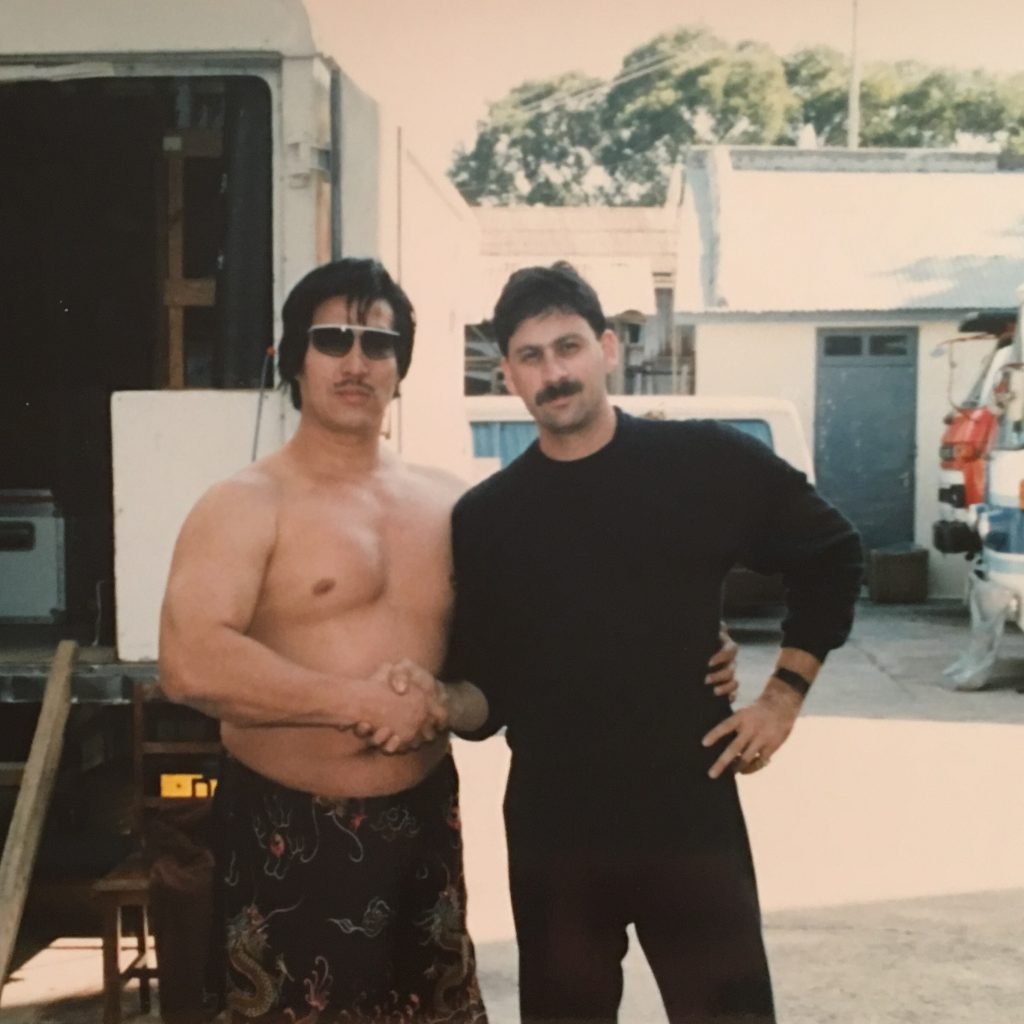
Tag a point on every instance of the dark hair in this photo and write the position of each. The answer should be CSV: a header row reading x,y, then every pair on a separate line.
x,y
534,291
361,281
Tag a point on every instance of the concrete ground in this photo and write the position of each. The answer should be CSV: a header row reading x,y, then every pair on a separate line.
x,y
888,836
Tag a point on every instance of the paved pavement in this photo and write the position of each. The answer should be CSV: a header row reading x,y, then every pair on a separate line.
x,y
888,835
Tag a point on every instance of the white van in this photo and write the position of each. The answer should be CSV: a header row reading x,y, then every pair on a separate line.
x,y
502,429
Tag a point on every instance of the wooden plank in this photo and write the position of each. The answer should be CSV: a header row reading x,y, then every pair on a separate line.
x,y
138,740
160,367
175,217
11,773
33,799
181,747
175,347
175,267
190,291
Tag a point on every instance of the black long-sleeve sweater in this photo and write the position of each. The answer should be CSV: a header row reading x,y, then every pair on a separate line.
x,y
589,591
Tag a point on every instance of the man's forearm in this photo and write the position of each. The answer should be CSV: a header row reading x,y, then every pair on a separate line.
x,y
236,679
793,668
467,707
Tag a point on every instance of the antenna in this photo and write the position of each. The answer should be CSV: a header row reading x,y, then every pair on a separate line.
x,y
853,110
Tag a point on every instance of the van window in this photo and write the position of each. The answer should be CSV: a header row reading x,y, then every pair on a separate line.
x,y
755,428
502,440
506,440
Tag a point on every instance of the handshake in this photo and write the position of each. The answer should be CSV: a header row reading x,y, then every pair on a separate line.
x,y
409,708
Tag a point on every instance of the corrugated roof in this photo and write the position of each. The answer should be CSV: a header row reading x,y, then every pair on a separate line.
x,y
623,285
782,240
618,250
577,231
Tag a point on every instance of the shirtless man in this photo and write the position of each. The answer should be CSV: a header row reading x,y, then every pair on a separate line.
x,y
295,586
307,609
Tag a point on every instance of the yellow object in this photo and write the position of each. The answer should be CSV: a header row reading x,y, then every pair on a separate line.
x,y
186,786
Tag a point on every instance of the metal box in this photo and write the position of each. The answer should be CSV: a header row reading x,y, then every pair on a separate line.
x,y
32,584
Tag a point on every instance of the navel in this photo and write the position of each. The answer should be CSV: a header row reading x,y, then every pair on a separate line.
x,y
324,586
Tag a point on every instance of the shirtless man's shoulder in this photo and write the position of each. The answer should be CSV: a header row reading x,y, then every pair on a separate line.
x,y
240,500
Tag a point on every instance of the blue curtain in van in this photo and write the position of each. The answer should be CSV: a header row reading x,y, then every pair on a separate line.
x,y
502,440
755,428
507,440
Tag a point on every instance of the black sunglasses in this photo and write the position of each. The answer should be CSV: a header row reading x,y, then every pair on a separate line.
x,y
338,339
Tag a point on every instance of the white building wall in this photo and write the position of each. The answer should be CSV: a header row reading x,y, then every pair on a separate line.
x,y
439,246
779,359
773,359
421,229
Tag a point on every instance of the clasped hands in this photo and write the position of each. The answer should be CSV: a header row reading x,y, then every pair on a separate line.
x,y
413,708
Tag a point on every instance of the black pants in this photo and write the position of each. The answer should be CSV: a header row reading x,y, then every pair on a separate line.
x,y
693,902
345,910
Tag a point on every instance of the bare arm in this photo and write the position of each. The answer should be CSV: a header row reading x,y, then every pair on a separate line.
x,y
467,707
206,658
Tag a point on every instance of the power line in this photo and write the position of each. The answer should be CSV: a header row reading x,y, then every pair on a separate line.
x,y
621,79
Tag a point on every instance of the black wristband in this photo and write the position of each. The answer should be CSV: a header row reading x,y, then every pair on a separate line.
x,y
793,680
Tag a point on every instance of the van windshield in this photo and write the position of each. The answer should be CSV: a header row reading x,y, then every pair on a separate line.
x,y
508,439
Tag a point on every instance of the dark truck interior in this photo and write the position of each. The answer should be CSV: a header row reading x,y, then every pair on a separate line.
x,y
135,254
126,262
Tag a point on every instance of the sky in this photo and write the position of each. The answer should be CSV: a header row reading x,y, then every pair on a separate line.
x,y
438,63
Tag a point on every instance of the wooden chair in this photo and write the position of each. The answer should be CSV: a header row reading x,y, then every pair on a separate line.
x,y
127,886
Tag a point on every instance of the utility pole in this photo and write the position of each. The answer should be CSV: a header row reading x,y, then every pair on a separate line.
x,y
853,106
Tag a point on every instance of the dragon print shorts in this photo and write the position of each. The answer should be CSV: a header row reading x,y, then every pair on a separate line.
x,y
344,910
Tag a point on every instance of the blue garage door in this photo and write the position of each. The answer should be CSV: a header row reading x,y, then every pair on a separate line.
x,y
864,429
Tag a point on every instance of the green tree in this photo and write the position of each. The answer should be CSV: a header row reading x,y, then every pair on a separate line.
x,y
683,88
984,103
908,104
819,79
746,97
575,139
1010,115
537,145
647,126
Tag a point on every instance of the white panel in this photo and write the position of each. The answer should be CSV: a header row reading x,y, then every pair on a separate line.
x,y
360,171
771,359
169,447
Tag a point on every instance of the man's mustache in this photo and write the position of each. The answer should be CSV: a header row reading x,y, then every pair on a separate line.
x,y
563,389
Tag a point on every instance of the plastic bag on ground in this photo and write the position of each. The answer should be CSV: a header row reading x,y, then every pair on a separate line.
x,y
989,604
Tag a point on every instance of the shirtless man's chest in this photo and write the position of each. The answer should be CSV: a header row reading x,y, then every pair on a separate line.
x,y
359,576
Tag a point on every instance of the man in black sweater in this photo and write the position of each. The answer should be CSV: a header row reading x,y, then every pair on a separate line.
x,y
588,577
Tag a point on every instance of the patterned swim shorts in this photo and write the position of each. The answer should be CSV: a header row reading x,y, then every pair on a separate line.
x,y
344,910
